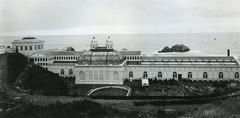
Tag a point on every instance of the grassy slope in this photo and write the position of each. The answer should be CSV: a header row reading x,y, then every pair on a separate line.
x,y
76,109
220,109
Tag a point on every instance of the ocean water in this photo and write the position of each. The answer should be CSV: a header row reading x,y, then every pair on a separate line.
x,y
199,43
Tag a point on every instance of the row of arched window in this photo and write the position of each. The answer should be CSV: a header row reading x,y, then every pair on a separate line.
x,y
37,47
98,75
133,57
205,74
70,72
65,58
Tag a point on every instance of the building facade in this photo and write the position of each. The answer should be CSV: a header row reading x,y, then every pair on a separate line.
x,y
28,45
104,65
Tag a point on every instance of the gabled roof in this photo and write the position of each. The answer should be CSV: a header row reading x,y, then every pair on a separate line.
x,y
45,53
62,64
28,40
55,53
130,52
191,58
199,60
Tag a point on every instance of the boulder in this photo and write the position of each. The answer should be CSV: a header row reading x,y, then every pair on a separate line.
x,y
175,48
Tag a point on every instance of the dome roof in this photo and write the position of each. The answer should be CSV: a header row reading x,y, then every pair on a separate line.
x,y
29,37
70,49
108,39
94,39
101,57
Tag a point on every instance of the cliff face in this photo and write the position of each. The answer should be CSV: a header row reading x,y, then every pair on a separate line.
x,y
175,48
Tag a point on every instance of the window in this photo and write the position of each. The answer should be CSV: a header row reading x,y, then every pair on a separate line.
x,y
62,72
21,48
160,74
30,47
26,48
38,46
205,75
189,74
81,75
116,75
35,47
236,75
145,74
220,75
130,74
174,74
17,47
70,71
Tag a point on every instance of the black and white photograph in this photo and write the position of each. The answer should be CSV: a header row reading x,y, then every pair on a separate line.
x,y
119,59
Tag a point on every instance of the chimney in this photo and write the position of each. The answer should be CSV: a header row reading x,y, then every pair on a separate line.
x,y
228,52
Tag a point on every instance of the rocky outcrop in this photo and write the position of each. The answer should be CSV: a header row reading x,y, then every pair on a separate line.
x,y
175,48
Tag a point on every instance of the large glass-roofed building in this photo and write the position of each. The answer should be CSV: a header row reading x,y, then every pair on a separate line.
x,y
105,65
101,56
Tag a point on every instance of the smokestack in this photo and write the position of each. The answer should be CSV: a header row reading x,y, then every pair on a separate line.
x,y
228,52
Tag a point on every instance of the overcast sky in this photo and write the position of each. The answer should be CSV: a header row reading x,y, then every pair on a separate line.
x,y
59,17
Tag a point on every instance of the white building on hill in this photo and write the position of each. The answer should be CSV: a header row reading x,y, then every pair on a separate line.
x,y
28,45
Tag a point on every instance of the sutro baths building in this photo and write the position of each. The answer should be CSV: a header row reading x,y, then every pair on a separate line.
x,y
104,65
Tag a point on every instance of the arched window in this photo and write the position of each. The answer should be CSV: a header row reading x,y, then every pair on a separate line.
x,y
130,74
160,74
116,75
62,72
145,74
174,74
205,75
70,71
81,75
220,75
236,75
189,74
101,76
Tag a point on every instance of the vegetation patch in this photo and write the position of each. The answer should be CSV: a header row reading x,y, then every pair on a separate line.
x,y
173,87
220,109
76,109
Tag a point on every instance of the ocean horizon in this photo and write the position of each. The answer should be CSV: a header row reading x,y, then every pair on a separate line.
x,y
199,43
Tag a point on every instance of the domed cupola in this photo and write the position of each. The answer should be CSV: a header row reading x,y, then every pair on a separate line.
x,y
109,43
94,43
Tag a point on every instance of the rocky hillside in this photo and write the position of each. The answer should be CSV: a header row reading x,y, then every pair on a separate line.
x,y
30,78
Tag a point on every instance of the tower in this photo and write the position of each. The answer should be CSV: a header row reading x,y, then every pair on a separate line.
x,y
94,43
109,43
